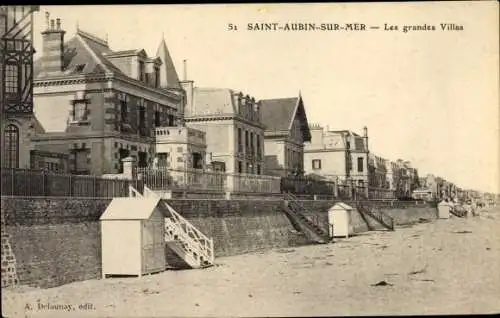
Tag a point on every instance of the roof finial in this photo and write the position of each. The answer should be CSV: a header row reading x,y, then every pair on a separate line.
x,y
106,37
77,25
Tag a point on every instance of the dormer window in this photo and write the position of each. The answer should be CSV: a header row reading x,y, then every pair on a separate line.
x,y
79,68
142,71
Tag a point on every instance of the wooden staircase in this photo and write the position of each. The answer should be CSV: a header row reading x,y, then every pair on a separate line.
x,y
309,226
189,243
182,238
377,214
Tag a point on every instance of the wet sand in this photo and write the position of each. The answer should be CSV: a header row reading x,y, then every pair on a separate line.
x,y
444,267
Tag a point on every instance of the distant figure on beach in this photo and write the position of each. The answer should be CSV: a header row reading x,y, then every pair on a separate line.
x,y
474,207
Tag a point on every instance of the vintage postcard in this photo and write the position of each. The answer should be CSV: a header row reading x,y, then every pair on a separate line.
x,y
254,160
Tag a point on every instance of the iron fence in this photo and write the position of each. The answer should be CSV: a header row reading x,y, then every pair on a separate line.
x,y
194,179
27,182
304,185
253,183
164,178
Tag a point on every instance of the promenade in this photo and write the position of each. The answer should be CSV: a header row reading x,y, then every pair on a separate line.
x,y
444,267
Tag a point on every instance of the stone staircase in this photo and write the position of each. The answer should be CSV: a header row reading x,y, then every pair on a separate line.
x,y
192,248
376,214
310,227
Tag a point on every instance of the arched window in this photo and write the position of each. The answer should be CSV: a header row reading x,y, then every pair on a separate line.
x,y
11,141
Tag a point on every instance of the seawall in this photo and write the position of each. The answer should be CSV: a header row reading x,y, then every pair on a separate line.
x,y
48,242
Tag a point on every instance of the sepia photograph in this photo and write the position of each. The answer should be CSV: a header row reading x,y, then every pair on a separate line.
x,y
250,160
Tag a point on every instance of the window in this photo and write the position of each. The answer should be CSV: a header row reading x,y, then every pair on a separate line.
x,y
240,167
11,139
81,160
157,77
79,110
163,159
316,164
123,111
157,118
79,68
360,164
258,145
240,146
246,141
171,120
143,159
141,71
124,153
258,169
11,79
142,118
252,147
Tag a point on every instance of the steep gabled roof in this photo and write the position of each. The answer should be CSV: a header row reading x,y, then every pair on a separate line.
x,y
278,114
87,54
211,101
83,54
168,74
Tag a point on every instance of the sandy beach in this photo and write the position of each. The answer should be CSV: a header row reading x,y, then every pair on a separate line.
x,y
444,267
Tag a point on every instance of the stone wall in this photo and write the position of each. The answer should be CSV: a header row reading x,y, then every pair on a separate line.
x,y
54,240
409,214
240,226
48,242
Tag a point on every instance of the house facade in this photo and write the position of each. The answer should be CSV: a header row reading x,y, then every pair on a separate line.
x,y
16,85
340,155
377,172
286,132
232,123
100,106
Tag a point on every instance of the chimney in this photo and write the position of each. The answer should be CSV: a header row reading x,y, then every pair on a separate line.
x,y
185,70
365,137
53,45
188,87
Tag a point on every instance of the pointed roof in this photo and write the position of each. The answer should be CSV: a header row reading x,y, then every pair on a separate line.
x,y
123,208
83,54
168,74
278,114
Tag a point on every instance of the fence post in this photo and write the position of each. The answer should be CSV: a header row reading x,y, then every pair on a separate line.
x,y
12,179
70,185
43,184
94,186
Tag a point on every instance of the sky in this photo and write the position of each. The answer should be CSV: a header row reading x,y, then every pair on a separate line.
x,y
430,97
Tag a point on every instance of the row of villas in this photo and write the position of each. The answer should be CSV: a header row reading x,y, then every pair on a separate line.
x,y
90,107
343,156
82,108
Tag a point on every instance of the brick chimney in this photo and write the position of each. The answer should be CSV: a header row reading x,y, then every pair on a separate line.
x,y
365,137
53,45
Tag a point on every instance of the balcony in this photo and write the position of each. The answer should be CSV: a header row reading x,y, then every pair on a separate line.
x,y
180,135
